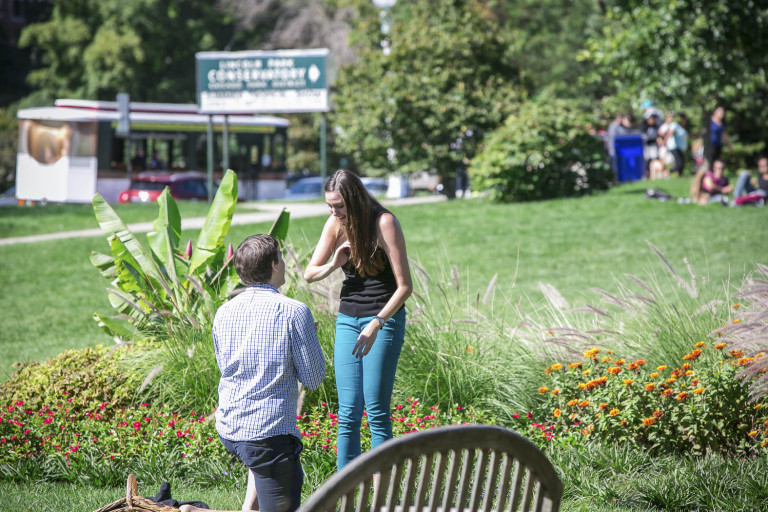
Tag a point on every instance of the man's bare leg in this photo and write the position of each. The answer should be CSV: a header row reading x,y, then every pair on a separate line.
x,y
251,501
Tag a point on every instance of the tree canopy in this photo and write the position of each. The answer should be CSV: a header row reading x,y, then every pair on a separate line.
x,y
449,79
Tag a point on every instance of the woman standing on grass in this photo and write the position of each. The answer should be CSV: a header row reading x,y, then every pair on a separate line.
x,y
365,240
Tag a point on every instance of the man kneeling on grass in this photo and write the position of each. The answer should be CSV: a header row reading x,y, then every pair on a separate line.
x,y
264,343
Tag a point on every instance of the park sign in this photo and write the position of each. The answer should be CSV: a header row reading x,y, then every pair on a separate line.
x,y
279,81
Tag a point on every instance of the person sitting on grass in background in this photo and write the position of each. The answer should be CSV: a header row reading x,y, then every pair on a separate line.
x,y
265,343
715,186
753,190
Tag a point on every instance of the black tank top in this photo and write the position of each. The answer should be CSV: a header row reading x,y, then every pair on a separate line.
x,y
366,296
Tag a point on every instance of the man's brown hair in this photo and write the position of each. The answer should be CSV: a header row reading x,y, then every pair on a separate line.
x,y
254,258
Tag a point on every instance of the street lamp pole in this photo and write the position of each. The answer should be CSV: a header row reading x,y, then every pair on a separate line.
x,y
386,22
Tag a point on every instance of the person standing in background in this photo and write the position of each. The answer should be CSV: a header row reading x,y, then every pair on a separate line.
x,y
715,136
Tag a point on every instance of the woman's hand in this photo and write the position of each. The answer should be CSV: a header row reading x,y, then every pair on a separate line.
x,y
341,255
366,339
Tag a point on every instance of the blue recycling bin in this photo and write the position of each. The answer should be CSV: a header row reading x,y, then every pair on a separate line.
x,y
630,162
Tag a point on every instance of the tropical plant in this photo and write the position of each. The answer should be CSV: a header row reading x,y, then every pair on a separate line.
x,y
159,283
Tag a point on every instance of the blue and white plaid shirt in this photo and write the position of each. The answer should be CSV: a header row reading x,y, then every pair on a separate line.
x,y
264,342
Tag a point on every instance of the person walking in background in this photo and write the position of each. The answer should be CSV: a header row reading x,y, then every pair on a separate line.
x,y
264,344
610,143
650,130
365,240
676,141
715,136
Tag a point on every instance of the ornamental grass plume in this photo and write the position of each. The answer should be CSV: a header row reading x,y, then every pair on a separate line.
x,y
748,338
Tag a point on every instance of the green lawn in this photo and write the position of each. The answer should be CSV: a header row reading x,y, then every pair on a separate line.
x,y
50,289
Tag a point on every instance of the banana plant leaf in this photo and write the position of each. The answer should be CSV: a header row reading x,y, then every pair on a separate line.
x,y
279,229
112,225
164,240
210,242
118,328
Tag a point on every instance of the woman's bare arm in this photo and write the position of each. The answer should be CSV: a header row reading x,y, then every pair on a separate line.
x,y
319,267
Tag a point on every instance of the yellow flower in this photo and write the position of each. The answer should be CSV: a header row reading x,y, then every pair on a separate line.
x,y
586,372
647,422
584,403
613,370
681,396
753,433
686,366
689,373
614,412
667,392
606,359
720,346
470,349
698,391
628,381
575,365
591,352
573,402
620,361
654,375
671,380
699,344
543,389
661,368
557,366
598,415
557,413
650,387
609,351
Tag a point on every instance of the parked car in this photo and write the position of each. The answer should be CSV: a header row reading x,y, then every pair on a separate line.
x,y
8,197
312,187
305,188
146,187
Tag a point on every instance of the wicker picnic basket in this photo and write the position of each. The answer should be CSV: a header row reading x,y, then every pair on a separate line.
x,y
133,502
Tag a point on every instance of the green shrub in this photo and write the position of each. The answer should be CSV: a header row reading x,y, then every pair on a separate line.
x,y
75,380
543,151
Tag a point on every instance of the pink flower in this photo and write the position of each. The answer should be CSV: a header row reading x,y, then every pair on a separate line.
x,y
516,415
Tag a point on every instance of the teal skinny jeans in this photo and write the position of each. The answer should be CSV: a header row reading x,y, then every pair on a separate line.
x,y
365,383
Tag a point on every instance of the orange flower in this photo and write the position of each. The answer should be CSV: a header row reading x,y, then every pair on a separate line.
x,y
640,362
623,423
654,375
613,370
606,359
720,346
657,414
736,353
753,433
671,380
698,391
628,381
470,349
598,415
667,392
572,416
603,405
736,305
584,403
632,366
736,321
575,365
695,381
573,402
557,366
686,366
650,387
586,372
689,373
745,361
620,362
681,396
693,355
661,368
557,413
543,389
556,391
591,352
609,351
699,344
613,412
647,422
582,385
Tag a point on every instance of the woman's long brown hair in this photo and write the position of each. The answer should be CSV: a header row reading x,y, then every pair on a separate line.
x,y
362,212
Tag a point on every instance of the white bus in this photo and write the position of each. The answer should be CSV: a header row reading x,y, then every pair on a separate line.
x,y
69,152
